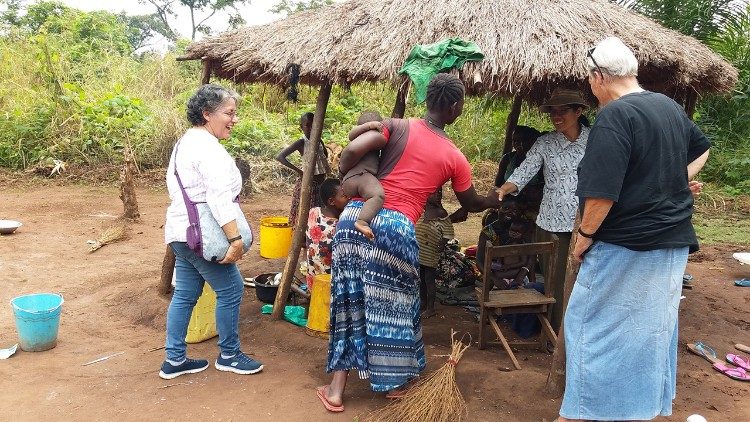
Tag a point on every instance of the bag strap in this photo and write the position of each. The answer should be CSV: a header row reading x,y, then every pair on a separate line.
x,y
192,211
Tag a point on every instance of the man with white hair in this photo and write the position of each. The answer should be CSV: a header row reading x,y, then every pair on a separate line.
x,y
634,239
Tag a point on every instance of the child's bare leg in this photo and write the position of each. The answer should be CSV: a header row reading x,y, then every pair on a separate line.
x,y
430,290
372,192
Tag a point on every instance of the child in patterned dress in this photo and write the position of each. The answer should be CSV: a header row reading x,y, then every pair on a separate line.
x,y
321,226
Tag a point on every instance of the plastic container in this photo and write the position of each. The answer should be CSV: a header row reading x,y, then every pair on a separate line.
x,y
319,314
37,320
275,237
202,324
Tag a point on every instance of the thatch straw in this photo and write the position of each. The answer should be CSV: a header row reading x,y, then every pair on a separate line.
x,y
112,234
435,398
529,46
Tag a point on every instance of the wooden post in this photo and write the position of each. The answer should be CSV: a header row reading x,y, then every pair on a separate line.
x,y
403,94
556,376
690,102
298,238
511,123
206,73
167,269
127,187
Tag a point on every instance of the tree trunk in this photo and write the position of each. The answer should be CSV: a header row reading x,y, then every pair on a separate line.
x,y
298,239
167,269
206,72
556,378
403,93
127,188
511,123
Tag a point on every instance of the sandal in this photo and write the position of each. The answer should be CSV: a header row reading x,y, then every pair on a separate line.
x,y
320,391
738,360
738,374
703,350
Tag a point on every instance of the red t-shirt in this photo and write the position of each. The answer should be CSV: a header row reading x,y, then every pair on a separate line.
x,y
415,162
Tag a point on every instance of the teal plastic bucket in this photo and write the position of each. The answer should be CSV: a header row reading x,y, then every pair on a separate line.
x,y
37,320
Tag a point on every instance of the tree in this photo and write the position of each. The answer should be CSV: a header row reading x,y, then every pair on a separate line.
x,y
289,7
701,19
166,10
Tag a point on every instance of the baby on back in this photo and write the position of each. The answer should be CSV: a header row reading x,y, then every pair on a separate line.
x,y
361,180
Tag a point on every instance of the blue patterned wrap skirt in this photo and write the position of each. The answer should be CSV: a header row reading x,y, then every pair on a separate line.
x,y
375,326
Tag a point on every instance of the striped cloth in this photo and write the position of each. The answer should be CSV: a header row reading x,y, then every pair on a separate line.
x,y
375,326
430,234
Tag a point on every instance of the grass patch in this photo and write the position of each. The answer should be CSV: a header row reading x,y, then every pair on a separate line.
x,y
720,229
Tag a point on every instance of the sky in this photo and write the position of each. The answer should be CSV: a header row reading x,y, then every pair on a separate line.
x,y
255,13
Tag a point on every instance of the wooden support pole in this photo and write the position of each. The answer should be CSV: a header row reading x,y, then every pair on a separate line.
x,y
298,238
206,73
690,102
403,94
511,123
556,376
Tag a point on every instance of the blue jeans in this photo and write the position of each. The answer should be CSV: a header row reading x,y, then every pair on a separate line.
x,y
190,273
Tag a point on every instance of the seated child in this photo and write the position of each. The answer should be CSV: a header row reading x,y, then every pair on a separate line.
x,y
514,271
433,231
321,226
495,225
361,180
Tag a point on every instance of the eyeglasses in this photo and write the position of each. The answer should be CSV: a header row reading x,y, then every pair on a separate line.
x,y
590,54
559,111
231,115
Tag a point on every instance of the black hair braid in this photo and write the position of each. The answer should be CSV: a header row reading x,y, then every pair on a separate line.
x,y
443,91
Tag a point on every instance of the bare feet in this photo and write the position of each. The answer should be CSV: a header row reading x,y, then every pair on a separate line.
x,y
364,228
330,402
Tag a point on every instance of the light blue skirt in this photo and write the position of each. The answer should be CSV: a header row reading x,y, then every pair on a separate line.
x,y
621,334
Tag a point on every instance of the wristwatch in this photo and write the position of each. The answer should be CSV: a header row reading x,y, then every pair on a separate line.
x,y
238,237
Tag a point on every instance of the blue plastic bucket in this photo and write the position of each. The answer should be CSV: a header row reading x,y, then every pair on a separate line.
x,y
37,320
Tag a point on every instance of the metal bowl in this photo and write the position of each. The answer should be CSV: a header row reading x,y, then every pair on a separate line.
x,y
9,226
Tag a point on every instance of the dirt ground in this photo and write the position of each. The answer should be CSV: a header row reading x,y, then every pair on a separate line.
x,y
111,305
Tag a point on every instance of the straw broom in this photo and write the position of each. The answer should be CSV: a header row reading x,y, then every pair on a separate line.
x,y
112,234
436,398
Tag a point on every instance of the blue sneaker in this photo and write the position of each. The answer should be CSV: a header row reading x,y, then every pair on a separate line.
x,y
239,364
190,366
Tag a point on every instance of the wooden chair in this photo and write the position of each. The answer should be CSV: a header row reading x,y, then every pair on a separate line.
x,y
493,303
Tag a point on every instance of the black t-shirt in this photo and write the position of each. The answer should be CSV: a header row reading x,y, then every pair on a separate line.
x,y
637,155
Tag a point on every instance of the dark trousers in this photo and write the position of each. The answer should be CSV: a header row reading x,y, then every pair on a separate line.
x,y
558,284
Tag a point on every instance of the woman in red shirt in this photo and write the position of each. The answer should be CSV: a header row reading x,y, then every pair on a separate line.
x,y
375,326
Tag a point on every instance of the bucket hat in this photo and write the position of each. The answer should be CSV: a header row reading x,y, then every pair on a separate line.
x,y
562,97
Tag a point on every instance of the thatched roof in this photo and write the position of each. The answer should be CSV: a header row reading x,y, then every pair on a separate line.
x,y
529,46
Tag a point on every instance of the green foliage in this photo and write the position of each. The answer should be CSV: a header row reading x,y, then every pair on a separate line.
x,y
200,12
288,7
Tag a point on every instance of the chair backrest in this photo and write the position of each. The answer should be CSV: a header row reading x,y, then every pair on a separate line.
x,y
537,249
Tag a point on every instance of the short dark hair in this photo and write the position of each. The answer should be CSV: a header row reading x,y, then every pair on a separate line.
x,y
207,99
328,189
528,135
369,116
306,117
443,91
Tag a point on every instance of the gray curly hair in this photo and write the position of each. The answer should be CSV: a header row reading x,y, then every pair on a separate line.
x,y
208,99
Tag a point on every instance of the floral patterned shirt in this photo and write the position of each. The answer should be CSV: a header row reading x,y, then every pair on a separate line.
x,y
320,230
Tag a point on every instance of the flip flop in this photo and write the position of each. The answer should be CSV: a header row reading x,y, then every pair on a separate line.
x,y
743,282
329,407
738,374
703,350
738,360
